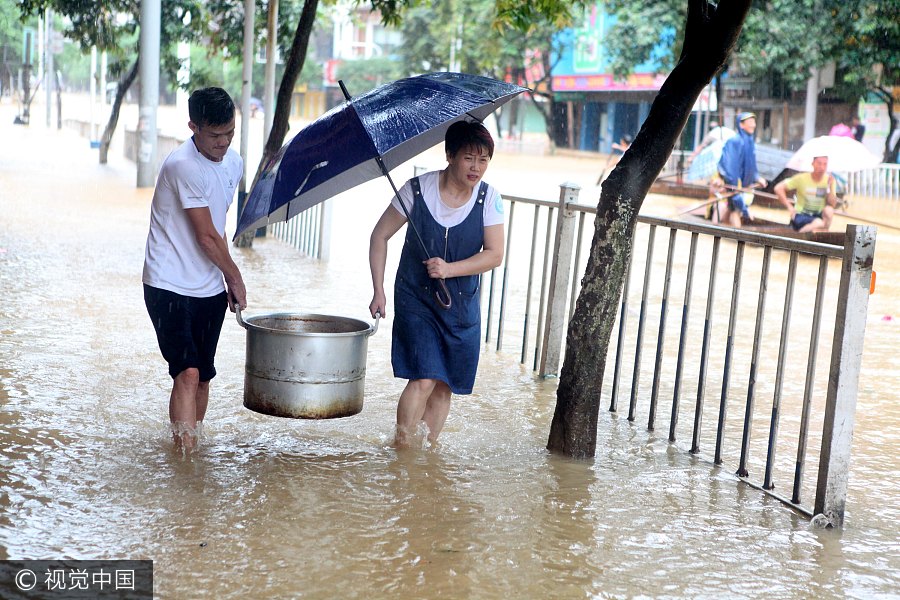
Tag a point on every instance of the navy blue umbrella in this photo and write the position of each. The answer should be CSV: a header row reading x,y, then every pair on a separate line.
x,y
366,137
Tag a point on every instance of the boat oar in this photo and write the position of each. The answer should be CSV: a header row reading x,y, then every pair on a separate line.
x,y
837,212
710,201
878,223
738,190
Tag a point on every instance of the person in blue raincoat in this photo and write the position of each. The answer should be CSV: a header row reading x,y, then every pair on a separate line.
x,y
460,220
737,168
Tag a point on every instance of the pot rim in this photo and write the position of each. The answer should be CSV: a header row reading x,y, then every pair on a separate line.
x,y
366,329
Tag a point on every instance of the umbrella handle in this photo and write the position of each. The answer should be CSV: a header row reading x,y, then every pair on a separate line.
x,y
446,292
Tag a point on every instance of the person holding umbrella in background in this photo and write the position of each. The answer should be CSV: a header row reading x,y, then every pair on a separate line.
x,y
436,339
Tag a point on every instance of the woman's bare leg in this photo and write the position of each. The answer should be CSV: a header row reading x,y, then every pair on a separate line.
x,y
436,410
411,408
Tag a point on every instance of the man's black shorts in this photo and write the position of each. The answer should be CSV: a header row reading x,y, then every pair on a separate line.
x,y
187,329
801,220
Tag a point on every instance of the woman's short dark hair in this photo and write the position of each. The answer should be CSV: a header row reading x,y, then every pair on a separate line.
x,y
466,134
210,106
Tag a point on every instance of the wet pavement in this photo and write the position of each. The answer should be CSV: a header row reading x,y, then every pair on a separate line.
x,y
282,508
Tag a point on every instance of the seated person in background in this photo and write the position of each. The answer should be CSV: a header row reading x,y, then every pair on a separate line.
x,y
815,197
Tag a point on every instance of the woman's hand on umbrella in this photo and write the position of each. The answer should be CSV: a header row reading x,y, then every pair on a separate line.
x,y
437,268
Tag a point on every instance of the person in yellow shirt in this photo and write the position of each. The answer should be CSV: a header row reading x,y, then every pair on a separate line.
x,y
815,197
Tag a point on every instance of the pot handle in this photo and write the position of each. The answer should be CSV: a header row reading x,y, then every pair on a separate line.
x,y
237,313
375,327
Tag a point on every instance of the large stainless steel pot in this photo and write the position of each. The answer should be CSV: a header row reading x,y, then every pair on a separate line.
x,y
305,366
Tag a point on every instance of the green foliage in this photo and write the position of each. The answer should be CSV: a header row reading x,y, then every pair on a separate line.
x,y
524,15
90,23
362,75
641,28
869,38
787,37
781,38
485,44
11,31
391,10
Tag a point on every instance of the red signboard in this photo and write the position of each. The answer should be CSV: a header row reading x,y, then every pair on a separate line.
x,y
606,82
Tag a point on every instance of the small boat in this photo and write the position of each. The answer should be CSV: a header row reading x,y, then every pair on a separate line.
x,y
701,191
760,225
684,189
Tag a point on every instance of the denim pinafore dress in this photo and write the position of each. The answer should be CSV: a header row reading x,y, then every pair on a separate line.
x,y
431,342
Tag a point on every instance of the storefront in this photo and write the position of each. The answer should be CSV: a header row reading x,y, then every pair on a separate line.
x,y
599,108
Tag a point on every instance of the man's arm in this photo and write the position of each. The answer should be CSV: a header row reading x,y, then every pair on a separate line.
x,y
216,249
831,194
781,192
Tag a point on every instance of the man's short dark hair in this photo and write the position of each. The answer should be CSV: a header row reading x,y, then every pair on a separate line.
x,y
210,106
468,134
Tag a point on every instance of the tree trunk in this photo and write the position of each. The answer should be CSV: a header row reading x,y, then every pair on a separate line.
x,y
124,84
292,69
890,154
710,34
280,125
548,107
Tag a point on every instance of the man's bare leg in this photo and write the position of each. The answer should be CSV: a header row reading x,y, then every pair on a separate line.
x,y
827,217
183,407
816,224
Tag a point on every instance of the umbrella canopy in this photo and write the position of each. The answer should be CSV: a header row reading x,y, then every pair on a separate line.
x,y
703,167
366,137
705,164
844,154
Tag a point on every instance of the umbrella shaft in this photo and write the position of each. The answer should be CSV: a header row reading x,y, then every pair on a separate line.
x,y
403,206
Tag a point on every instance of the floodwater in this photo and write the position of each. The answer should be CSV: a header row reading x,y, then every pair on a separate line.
x,y
282,508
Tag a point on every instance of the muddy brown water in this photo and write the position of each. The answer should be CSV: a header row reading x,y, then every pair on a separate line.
x,y
285,508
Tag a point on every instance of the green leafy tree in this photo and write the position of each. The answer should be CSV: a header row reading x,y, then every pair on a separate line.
x,y
781,38
860,37
294,62
10,33
868,56
710,33
360,76
112,26
481,43
11,26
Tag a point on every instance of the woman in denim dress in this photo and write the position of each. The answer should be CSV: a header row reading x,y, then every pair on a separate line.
x,y
460,221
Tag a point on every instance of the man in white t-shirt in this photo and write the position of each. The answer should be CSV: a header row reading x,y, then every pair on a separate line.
x,y
189,277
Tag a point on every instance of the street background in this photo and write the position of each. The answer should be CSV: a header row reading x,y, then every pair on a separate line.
x,y
283,508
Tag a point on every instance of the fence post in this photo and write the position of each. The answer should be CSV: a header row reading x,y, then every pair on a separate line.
x,y
563,249
843,376
325,218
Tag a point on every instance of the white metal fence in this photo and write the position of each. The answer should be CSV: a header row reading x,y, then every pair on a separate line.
x,y
724,336
880,182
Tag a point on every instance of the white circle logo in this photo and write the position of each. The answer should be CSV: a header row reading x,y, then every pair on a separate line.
x,y
26,580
